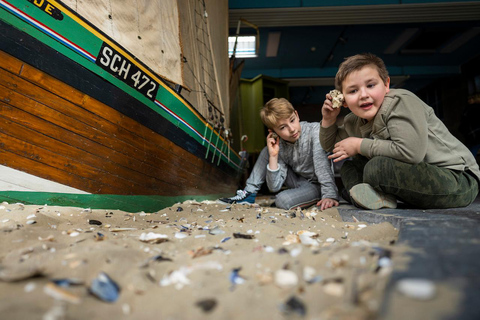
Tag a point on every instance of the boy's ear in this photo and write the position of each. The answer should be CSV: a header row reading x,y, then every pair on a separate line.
x,y
387,84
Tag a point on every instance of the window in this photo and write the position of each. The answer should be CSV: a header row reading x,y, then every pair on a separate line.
x,y
246,46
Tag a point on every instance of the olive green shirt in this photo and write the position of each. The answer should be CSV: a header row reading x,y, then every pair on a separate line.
x,y
405,129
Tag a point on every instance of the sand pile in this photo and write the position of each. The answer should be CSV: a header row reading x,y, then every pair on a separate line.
x,y
190,261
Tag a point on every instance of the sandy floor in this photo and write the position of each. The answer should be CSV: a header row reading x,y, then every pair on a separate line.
x,y
191,261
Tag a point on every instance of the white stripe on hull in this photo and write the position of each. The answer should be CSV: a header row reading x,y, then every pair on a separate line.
x,y
15,180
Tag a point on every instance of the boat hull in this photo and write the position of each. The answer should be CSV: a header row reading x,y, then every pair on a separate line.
x,y
62,123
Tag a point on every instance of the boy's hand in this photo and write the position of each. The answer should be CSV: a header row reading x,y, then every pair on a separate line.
x,y
327,203
329,114
346,148
273,143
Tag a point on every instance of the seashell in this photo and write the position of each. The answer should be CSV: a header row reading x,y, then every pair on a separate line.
x,y
416,288
207,305
200,252
99,236
120,229
180,235
243,236
104,288
294,305
309,275
94,222
216,231
58,293
308,238
337,98
235,278
286,278
177,277
49,238
152,237
29,287
334,289
67,282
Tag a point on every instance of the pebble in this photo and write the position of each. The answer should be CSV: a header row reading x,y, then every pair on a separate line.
x,y
416,288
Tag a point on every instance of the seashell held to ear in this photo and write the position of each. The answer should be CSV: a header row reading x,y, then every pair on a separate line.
x,y
337,98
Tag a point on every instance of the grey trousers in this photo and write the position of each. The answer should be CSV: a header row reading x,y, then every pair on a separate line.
x,y
300,192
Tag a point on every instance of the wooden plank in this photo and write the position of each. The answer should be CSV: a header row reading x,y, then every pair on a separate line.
x,y
124,127
80,121
10,63
36,123
73,154
59,133
15,148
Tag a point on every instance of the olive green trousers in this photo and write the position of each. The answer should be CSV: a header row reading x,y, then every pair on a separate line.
x,y
420,185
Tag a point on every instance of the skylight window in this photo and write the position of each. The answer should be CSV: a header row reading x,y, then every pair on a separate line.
x,y
246,46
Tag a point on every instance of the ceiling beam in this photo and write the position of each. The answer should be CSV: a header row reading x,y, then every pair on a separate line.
x,y
363,14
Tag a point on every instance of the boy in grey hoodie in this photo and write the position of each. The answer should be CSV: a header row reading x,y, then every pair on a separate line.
x,y
293,157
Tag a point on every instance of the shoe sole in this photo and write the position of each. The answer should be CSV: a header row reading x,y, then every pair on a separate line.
x,y
365,196
243,202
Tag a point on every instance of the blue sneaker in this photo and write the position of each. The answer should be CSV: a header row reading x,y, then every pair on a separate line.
x,y
242,197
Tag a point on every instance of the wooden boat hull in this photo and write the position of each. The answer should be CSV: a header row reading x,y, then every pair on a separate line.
x,y
65,120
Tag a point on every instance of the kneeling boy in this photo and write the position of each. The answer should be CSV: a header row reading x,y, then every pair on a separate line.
x,y
400,149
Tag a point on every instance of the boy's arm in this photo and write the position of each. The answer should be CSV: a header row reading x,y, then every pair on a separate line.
x,y
276,178
323,170
276,169
405,137
330,133
328,137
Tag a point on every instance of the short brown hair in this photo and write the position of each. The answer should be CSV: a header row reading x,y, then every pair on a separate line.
x,y
274,110
357,62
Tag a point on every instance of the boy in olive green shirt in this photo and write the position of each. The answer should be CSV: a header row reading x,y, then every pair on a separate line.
x,y
400,149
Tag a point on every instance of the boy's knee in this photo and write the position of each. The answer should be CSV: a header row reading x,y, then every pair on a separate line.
x,y
283,202
377,169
